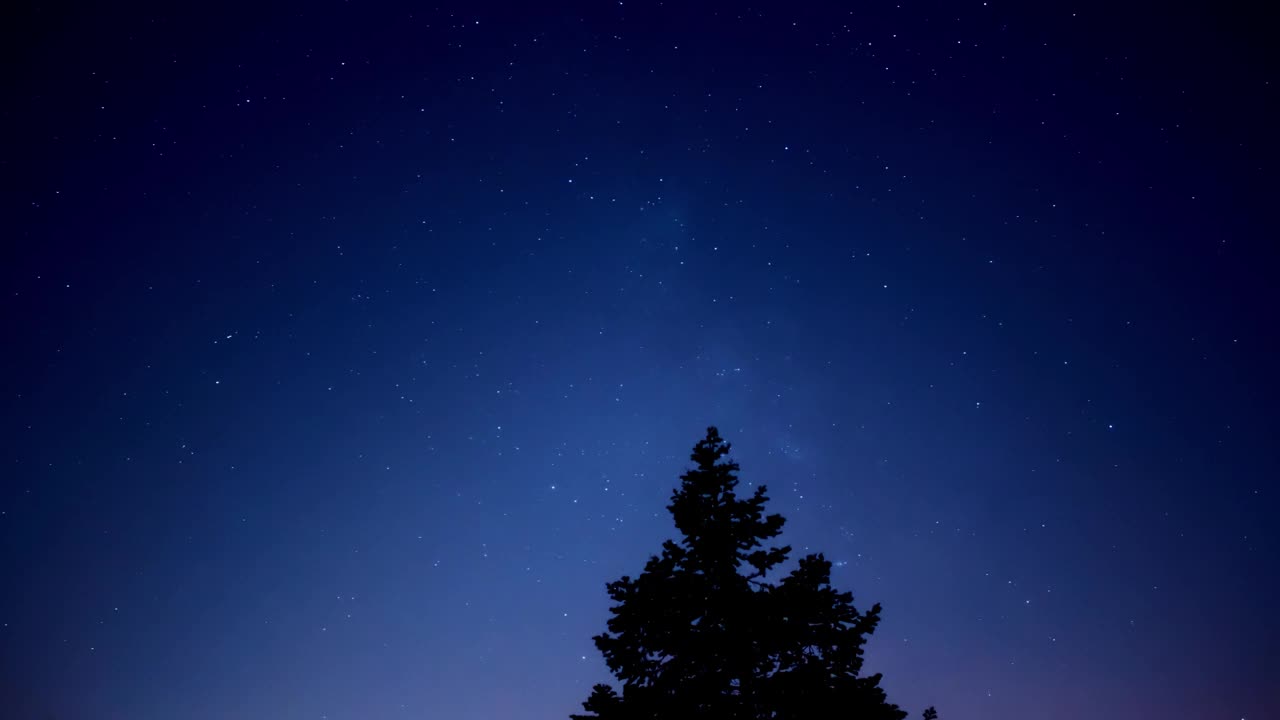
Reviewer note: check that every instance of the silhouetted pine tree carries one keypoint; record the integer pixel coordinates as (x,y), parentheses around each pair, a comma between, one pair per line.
(701,633)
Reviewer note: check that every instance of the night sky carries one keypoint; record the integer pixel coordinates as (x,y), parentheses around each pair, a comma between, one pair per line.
(349,351)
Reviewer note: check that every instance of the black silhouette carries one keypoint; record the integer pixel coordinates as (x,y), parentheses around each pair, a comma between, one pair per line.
(701,633)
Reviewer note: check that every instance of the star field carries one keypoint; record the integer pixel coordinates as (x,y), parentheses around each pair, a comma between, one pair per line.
(351,350)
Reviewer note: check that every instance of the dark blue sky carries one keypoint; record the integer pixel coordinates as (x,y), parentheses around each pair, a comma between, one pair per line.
(350,351)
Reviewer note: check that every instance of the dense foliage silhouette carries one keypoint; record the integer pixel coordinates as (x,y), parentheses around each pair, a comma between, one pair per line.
(703,633)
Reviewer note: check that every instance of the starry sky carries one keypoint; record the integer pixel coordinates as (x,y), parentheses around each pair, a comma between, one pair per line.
(349,350)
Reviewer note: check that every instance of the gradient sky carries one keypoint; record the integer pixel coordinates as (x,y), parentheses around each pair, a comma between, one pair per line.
(349,351)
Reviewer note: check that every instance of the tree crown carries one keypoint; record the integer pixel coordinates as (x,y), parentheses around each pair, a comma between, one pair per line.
(702,633)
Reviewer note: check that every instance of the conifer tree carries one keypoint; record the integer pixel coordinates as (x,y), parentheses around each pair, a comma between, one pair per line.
(704,631)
